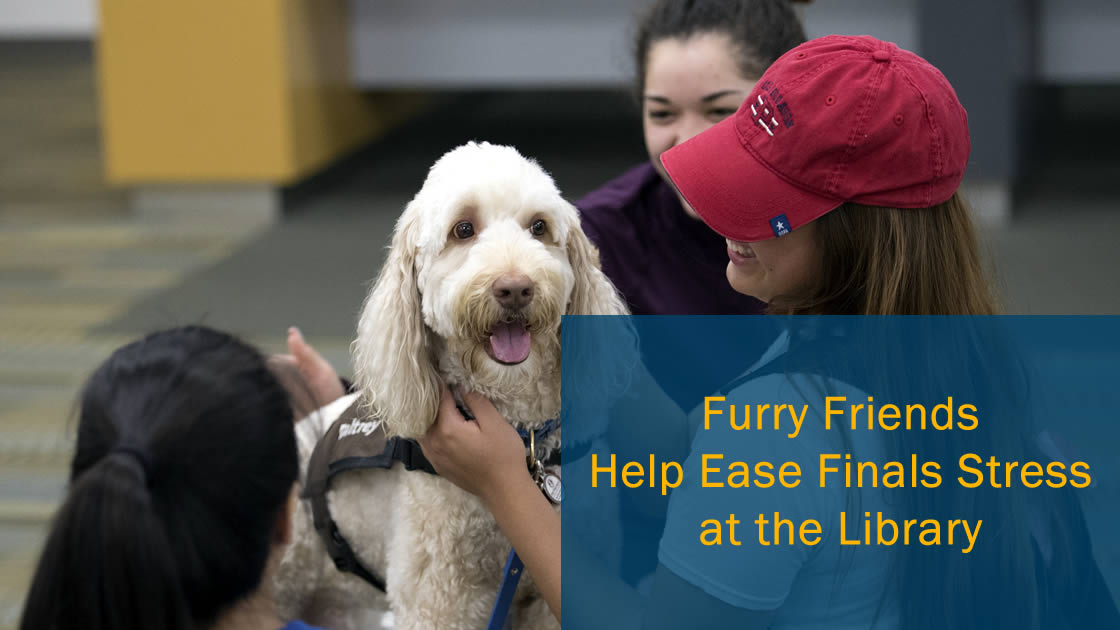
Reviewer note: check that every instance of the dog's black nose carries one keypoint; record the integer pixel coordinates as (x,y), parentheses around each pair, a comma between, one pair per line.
(513,290)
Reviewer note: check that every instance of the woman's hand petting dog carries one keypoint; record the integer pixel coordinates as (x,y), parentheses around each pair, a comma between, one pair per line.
(319,375)
(487,458)
(483,456)
(310,380)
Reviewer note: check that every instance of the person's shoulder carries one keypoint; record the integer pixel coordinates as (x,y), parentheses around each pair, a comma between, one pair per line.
(802,393)
(607,213)
(795,386)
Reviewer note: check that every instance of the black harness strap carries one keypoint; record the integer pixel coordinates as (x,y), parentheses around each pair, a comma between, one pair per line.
(353,444)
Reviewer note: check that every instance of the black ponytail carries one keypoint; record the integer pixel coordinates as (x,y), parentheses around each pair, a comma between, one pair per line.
(185,458)
(107,563)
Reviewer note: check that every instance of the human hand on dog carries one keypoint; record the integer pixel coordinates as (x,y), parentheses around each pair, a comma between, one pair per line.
(487,458)
(484,457)
(319,375)
(317,383)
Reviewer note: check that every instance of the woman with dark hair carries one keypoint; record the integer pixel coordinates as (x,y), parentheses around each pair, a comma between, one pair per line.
(180,492)
(695,62)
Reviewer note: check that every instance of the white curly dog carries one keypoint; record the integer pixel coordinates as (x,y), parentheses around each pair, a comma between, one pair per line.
(484,262)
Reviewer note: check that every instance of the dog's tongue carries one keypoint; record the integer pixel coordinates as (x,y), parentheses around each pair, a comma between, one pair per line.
(510,342)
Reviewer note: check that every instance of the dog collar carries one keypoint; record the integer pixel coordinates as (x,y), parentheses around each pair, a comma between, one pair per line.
(541,432)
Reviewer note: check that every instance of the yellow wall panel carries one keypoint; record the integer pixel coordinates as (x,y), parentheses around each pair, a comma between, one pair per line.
(326,114)
(197,91)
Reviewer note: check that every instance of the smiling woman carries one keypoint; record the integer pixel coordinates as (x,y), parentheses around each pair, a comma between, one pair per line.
(771,269)
(695,62)
(690,85)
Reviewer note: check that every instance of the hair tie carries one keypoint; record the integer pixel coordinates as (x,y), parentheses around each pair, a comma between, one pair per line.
(139,456)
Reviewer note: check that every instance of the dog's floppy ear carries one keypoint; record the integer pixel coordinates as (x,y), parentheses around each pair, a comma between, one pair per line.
(393,362)
(593,293)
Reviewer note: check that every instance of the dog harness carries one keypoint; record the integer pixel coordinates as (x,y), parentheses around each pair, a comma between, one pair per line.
(352,443)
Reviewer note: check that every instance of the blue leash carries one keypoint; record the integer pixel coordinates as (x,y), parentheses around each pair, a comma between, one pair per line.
(499,615)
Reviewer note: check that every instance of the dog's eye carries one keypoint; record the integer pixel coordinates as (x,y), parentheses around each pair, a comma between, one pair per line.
(463,230)
(538,227)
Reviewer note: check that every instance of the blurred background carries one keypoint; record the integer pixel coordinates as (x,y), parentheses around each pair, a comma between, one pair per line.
(241,164)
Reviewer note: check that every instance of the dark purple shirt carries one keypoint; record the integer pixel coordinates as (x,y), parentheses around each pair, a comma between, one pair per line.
(667,263)
(662,260)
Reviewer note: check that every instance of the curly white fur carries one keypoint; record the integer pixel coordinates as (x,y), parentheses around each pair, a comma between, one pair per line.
(431,305)
(426,321)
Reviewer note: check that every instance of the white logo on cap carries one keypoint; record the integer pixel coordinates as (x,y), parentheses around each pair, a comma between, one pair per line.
(761,118)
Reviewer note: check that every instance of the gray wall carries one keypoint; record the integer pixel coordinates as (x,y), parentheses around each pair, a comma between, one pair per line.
(542,43)
(37,19)
(491,43)
(583,43)
(891,20)
(1079,41)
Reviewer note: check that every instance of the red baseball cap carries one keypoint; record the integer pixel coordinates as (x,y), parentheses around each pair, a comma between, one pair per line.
(836,119)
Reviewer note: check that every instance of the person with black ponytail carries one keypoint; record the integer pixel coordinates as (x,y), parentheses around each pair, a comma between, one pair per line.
(180,492)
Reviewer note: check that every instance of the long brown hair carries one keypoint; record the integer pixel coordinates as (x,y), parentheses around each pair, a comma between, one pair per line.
(895,261)
(927,261)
